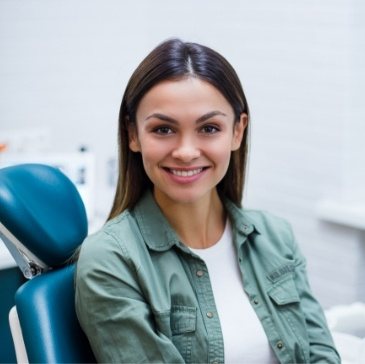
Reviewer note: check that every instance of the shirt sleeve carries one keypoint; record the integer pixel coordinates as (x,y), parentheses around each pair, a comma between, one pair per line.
(322,349)
(112,310)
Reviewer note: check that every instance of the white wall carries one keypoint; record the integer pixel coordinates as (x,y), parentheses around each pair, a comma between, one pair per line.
(64,65)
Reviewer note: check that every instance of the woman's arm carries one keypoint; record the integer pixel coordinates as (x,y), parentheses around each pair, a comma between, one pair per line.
(112,310)
(322,349)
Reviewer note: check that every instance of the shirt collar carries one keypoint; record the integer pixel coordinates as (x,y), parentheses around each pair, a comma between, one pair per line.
(156,230)
(239,218)
(160,236)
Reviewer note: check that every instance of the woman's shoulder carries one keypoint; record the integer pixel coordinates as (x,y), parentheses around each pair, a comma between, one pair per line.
(271,235)
(112,239)
(259,220)
(270,228)
(273,231)
(265,220)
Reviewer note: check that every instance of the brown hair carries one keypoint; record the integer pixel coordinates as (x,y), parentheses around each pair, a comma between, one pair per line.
(171,60)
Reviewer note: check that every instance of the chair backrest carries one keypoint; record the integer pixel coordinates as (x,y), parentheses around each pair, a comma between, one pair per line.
(42,222)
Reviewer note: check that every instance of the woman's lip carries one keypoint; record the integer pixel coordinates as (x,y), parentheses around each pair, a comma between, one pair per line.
(185,169)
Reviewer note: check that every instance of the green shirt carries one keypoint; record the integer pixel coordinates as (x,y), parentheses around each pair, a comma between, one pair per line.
(144,297)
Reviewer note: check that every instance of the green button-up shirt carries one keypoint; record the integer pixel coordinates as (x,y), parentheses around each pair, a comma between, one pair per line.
(144,297)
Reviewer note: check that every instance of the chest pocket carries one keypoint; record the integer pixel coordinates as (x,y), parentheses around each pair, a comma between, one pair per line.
(183,326)
(284,292)
(179,324)
(289,318)
(182,319)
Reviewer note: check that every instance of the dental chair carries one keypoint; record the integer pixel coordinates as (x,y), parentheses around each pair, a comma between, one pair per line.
(42,222)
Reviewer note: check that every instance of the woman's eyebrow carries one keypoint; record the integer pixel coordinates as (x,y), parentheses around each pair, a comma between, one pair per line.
(201,119)
(161,117)
(210,115)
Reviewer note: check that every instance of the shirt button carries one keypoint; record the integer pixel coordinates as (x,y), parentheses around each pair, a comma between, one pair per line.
(256,301)
(199,273)
(279,345)
(210,314)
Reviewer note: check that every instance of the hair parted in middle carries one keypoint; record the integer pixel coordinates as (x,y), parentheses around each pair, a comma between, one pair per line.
(175,60)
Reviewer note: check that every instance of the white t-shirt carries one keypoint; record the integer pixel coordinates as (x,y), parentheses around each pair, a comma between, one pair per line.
(244,338)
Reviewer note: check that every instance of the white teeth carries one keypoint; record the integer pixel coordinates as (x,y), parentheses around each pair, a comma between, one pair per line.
(189,173)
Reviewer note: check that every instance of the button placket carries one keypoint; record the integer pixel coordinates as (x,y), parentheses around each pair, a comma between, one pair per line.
(204,292)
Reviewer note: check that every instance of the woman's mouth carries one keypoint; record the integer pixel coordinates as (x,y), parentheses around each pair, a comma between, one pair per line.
(184,172)
(185,175)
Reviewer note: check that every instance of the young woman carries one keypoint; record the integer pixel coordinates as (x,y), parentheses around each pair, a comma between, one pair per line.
(181,273)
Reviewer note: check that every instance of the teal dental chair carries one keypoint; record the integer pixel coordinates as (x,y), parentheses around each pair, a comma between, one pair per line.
(42,222)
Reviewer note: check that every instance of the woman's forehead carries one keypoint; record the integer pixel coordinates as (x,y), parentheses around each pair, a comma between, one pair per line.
(183,95)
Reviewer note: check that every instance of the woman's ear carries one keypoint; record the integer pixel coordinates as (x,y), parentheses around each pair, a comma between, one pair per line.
(239,130)
(134,145)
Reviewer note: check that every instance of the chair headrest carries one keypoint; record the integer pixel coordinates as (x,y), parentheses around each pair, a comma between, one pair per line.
(42,208)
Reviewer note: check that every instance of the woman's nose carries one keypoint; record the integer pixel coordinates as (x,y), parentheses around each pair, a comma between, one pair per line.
(186,150)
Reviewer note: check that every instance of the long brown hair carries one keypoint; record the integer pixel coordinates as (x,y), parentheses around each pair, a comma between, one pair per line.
(171,60)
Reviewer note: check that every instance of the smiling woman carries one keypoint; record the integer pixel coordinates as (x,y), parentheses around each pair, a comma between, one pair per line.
(181,273)
(185,131)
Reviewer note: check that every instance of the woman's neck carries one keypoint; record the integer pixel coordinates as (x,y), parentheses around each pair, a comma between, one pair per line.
(199,224)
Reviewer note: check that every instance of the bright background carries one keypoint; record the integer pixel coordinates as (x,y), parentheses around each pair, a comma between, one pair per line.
(64,66)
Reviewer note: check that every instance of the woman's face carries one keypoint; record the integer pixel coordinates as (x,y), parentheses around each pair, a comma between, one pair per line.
(185,134)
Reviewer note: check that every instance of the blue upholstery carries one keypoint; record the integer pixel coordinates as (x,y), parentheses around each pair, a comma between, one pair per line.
(46,312)
(42,208)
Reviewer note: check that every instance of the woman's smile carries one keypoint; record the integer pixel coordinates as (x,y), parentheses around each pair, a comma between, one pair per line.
(184,172)
(185,175)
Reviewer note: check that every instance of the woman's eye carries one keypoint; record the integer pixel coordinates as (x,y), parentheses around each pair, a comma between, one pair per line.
(163,130)
(209,129)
